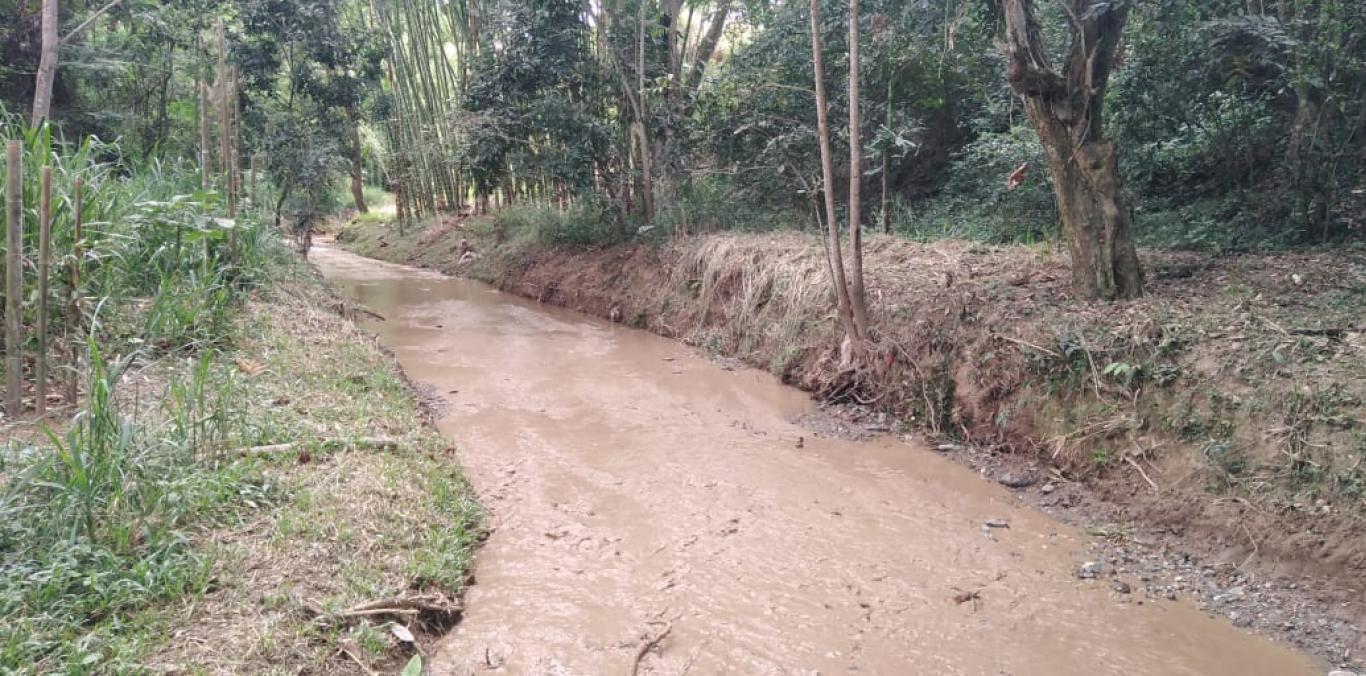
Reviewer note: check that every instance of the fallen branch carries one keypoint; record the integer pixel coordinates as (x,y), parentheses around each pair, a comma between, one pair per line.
(351,312)
(648,645)
(1330,332)
(1142,473)
(406,607)
(377,443)
(1030,345)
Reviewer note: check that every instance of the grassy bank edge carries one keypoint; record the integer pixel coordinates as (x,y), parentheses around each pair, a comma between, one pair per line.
(359,526)
(271,548)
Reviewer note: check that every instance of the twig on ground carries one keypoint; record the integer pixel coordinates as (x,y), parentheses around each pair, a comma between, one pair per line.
(649,644)
(345,649)
(377,443)
(1255,549)
(407,607)
(1142,473)
(1032,346)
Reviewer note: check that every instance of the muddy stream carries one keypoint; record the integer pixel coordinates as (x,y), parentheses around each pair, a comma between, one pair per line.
(637,489)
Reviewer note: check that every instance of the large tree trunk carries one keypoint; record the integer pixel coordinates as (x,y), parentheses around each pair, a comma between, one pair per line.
(1067,113)
(1096,218)
(47,65)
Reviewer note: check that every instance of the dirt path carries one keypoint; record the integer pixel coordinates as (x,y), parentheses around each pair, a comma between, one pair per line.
(638,490)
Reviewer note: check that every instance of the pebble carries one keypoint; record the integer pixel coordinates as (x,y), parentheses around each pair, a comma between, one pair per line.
(1017,480)
(1089,570)
(1047,488)
(996,523)
(1341,672)
(1239,620)
(1121,586)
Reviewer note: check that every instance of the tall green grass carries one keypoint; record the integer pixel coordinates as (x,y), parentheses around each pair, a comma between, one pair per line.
(95,519)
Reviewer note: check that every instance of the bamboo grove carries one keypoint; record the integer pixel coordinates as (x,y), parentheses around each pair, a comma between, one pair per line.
(548,102)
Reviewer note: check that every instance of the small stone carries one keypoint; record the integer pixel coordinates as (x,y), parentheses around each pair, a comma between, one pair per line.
(1089,570)
(1048,488)
(996,523)
(1017,481)
(1171,594)
(1121,586)
(1239,620)
(1341,672)
(945,448)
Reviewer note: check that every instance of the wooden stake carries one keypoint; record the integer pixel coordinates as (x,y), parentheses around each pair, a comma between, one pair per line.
(73,318)
(14,277)
(44,264)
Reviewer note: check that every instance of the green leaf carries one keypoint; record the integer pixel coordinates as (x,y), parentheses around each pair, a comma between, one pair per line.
(413,667)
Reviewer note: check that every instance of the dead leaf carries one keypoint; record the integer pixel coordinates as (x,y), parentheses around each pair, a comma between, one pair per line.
(250,367)
(402,634)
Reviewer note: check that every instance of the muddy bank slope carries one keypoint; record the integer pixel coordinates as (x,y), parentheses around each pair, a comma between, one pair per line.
(1225,408)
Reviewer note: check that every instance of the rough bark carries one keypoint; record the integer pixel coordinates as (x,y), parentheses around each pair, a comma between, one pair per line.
(47,64)
(1067,113)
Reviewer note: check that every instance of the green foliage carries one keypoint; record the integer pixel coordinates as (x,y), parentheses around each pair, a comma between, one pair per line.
(582,226)
(94,527)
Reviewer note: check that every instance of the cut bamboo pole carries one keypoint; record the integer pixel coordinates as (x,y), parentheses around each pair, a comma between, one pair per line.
(44,265)
(73,317)
(14,277)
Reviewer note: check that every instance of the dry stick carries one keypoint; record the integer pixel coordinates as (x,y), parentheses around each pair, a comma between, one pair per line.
(1142,473)
(14,277)
(649,643)
(381,443)
(73,319)
(44,263)
(1029,345)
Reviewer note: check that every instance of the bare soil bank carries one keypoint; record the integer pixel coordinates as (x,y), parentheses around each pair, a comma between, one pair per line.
(1221,418)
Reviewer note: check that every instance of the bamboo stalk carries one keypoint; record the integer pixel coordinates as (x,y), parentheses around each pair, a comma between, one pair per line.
(14,276)
(44,266)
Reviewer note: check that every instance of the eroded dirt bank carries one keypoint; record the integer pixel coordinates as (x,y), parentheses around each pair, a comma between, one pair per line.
(1210,435)
(651,507)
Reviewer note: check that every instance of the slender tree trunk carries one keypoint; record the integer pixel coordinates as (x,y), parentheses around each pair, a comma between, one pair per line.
(857,300)
(47,64)
(885,212)
(357,169)
(14,278)
(834,258)
(205,150)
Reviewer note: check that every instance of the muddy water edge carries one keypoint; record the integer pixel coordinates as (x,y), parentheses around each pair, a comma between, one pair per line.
(654,511)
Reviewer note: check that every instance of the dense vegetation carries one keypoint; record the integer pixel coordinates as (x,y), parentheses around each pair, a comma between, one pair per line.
(199,125)
(124,460)
(1238,124)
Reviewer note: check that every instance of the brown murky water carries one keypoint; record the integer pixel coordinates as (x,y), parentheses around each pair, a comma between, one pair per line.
(636,486)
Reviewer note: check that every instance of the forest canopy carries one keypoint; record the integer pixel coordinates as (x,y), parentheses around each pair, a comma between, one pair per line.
(1238,123)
